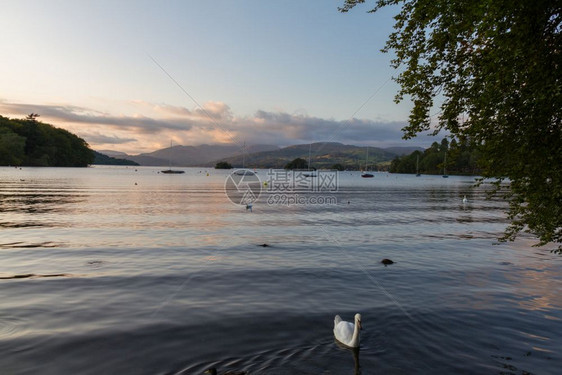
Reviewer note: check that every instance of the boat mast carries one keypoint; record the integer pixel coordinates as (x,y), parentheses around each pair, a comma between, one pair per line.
(244,155)
(309,153)
(170,157)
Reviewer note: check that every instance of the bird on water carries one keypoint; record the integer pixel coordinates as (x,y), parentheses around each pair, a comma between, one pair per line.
(348,333)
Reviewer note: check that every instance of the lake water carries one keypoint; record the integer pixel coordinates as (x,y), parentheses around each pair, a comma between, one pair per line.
(117,270)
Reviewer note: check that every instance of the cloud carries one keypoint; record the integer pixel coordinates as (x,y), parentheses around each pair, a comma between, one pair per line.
(306,129)
(216,110)
(210,111)
(97,138)
(80,115)
(214,123)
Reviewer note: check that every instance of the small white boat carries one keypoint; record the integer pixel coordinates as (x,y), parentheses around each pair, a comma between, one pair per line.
(170,170)
(309,172)
(366,173)
(243,172)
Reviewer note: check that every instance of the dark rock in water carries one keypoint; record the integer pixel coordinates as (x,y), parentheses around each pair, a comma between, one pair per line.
(264,245)
(24,276)
(386,262)
(32,276)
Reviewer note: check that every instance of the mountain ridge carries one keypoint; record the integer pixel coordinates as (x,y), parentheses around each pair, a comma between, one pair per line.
(322,155)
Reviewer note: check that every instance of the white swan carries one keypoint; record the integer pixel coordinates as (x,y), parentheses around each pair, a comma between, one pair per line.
(464,200)
(346,332)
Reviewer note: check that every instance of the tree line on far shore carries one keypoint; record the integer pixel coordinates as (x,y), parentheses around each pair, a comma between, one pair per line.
(29,142)
(455,157)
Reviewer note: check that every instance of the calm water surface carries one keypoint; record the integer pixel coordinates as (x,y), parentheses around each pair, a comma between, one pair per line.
(116,270)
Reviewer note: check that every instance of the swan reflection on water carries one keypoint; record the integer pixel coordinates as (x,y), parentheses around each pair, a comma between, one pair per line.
(355,353)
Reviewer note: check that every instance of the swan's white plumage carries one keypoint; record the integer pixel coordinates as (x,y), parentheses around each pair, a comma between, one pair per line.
(347,333)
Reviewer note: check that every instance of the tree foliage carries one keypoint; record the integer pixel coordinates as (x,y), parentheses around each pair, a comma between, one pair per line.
(102,159)
(462,159)
(338,167)
(33,143)
(223,165)
(494,69)
(297,163)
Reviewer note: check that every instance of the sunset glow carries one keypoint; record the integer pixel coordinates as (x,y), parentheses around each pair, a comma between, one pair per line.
(133,76)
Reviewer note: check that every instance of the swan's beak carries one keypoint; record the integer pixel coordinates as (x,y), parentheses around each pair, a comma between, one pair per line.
(360,326)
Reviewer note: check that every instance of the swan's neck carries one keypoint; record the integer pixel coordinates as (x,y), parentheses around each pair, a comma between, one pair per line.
(355,337)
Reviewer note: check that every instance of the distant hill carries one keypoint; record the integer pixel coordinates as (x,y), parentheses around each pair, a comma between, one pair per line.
(144,159)
(102,159)
(323,156)
(113,154)
(192,156)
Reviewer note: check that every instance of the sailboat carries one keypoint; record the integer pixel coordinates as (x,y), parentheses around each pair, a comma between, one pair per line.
(418,166)
(244,171)
(365,173)
(170,170)
(309,173)
(445,175)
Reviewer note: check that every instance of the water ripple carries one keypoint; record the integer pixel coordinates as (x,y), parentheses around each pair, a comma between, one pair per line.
(23,245)
(12,326)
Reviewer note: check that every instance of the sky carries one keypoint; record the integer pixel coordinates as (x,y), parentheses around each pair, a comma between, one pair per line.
(132,76)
